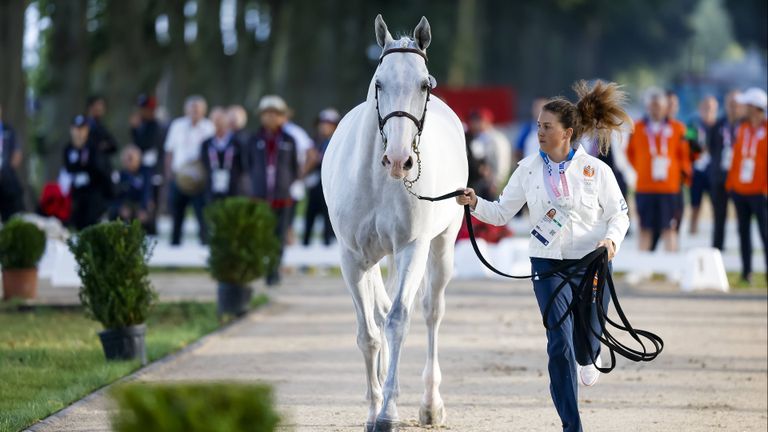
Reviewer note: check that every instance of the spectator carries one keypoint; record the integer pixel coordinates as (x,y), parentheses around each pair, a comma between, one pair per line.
(183,167)
(748,176)
(221,156)
(10,160)
(491,143)
(148,135)
(134,190)
(96,108)
(720,144)
(274,166)
(659,154)
(238,119)
(698,131)
(89,171)
(327,121)
(528,139)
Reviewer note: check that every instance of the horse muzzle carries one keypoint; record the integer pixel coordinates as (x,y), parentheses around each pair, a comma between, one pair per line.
(398,168)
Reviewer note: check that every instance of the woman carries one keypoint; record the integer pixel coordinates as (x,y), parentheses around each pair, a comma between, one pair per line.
(575,206)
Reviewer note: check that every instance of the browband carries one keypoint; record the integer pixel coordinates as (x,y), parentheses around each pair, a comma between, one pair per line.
(403,50)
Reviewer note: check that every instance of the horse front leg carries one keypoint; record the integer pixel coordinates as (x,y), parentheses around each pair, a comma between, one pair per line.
(440,270)
(358,282)
(411,264)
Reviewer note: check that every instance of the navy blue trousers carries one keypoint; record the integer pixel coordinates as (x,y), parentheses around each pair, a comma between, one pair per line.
(569,344)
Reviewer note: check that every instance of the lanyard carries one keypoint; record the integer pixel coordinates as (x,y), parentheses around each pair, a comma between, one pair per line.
(561,170)
(664,145)
(749,147)
(213,155)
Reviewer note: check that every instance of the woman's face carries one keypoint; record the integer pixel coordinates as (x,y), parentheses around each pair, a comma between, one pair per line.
(552,135)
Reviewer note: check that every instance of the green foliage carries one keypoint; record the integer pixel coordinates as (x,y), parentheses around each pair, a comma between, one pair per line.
(215,407)
(21,244)
(112,265)
(243,244)
(51,357)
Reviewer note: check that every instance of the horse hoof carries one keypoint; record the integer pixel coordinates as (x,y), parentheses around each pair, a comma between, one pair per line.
(432,417)
(369,427)
(386,426)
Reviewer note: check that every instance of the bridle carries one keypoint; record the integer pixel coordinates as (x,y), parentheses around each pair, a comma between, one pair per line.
(419,122)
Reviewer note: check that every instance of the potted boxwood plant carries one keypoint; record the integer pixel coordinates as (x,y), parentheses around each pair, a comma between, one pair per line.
(115,288)
(22,245)
(243,248)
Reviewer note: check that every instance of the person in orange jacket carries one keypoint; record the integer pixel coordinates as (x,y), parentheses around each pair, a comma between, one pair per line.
(659,154)
(748,177)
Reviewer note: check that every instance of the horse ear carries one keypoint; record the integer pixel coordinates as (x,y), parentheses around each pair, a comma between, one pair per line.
(423,34)
(383,37)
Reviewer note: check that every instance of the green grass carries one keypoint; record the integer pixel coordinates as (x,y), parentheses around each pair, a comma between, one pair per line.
(50,358)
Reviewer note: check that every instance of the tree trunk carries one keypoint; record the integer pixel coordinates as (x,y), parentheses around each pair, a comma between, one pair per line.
(12,82)
(465,63)
(64,95)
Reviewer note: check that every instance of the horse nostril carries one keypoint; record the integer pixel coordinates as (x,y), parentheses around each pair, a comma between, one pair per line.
(409,163)
(385,161)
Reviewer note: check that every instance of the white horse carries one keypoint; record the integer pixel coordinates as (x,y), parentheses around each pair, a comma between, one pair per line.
(399,134)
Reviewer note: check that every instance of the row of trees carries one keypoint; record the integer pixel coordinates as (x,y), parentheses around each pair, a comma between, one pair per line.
(318,52)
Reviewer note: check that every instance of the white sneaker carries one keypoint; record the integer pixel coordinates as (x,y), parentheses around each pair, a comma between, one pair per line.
(589,374)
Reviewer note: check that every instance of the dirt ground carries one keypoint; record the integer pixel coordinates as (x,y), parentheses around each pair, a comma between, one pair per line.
(712,375)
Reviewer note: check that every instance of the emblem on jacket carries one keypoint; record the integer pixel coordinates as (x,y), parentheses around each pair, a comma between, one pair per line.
(589,171)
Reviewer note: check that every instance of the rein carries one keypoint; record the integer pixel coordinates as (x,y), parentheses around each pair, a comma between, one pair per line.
(590,289)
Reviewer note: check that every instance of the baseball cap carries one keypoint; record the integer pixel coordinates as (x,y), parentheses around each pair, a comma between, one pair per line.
(273,102)
(329,115)
(146,101)
(753,96)
(79,121)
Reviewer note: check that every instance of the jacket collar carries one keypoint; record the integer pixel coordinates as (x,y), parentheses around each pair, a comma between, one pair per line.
(535,160)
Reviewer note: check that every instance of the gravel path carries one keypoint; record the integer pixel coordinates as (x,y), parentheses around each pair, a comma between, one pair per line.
(713,375)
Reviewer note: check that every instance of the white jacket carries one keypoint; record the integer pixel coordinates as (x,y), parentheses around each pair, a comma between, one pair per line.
(599,211)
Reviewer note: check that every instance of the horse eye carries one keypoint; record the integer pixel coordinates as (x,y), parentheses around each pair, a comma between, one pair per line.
(425,86)
(378,85)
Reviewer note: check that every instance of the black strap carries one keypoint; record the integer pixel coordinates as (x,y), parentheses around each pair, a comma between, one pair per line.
(590,288)
(403,50)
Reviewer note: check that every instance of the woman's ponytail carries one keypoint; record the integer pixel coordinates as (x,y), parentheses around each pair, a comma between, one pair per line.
(601,112)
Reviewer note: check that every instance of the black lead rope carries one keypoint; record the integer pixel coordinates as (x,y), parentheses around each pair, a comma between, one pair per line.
(590,288)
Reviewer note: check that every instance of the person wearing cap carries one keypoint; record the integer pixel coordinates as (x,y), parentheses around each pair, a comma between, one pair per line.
(720,145)
(490,144)
(10,160)
(148,135)
(659,155)
(221,155)
(274,167)
(748,177)
(327,121)
(89,170)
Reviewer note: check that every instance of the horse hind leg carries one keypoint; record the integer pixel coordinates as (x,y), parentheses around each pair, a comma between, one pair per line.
(439,271)
(368,334)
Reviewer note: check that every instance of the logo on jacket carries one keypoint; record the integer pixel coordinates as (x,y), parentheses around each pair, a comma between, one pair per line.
(589,171)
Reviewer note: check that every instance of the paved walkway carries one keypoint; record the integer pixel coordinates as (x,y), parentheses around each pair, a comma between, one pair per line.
(712,376)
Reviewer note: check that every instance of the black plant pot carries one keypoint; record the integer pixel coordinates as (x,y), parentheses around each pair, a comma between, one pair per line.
(233,299)
(125,343)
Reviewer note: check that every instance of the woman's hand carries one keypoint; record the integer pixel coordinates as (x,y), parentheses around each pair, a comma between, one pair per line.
(608,243)
(469,198)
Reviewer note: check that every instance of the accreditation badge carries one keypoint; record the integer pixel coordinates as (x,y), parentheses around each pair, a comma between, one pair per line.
(747,170)
(660,168)
(550,226)
(220,181)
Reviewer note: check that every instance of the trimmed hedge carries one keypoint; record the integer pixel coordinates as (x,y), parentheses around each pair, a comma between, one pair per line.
(22,244)
(243,244)
(194,407)
(112,264)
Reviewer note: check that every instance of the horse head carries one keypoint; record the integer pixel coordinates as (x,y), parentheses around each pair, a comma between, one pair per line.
(402,87)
